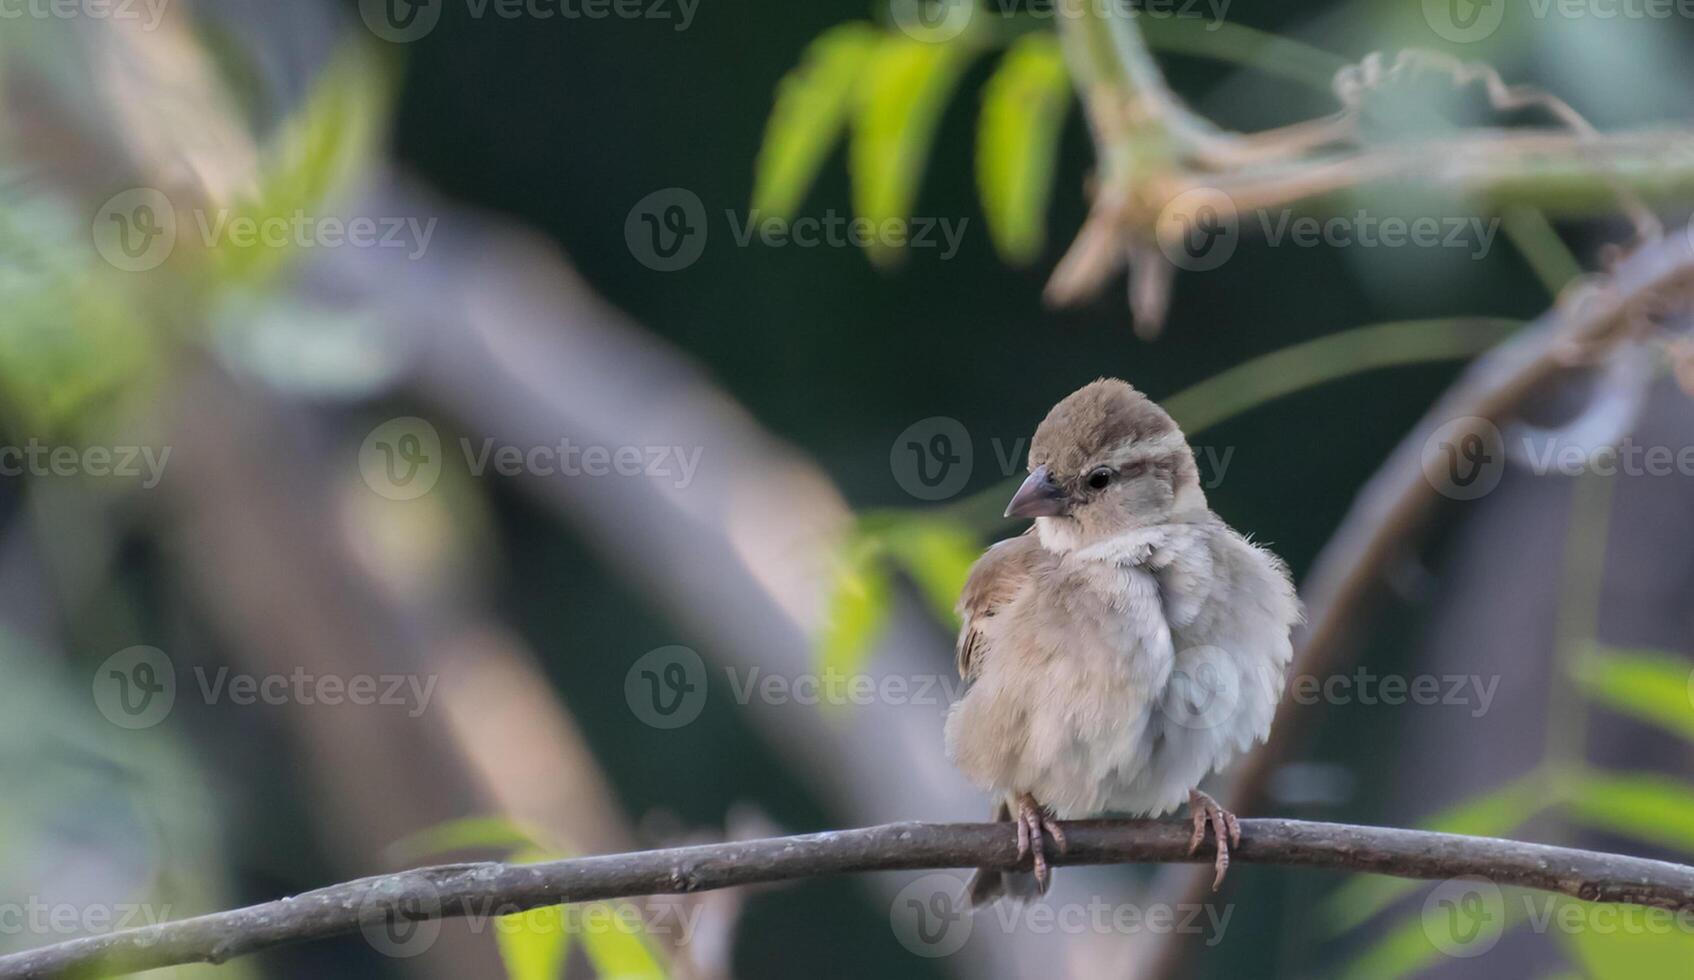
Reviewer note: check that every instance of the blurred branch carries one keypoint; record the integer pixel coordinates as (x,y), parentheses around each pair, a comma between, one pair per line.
(1563,173)
(479,890)
(1527,228)
(1395,504)
(1153,149)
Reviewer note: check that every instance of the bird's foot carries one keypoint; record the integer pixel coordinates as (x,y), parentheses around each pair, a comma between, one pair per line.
(1227,829)
(1035,824)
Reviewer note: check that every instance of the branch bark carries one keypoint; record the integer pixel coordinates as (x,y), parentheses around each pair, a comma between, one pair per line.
(486,889)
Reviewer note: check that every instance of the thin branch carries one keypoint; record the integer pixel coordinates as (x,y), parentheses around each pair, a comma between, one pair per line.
(486,889)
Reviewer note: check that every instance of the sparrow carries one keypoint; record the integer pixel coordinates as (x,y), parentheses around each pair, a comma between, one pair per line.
(1120,650)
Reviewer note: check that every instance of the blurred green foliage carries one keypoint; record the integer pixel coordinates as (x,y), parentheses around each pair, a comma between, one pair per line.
(535,944)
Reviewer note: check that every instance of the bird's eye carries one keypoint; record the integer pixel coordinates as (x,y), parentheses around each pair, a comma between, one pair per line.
(1099,478)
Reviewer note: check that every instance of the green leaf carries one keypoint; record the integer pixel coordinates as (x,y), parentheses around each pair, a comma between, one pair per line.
(1651,685)
(313,154)
(1492,814)
(1615,947)
(77,334)
(618,954)
(1656,809)
(466,834)
(901,97)
(534,944)
(938,556)
(1017,141)
(808,116)
(1410,947)
(857,609)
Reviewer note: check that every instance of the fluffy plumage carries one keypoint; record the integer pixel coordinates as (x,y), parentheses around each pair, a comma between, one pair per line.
(1130,645)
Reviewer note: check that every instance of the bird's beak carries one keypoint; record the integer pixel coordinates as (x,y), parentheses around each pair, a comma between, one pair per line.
(1039,497)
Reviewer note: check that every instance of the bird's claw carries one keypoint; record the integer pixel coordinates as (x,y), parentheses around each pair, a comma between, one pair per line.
(1227,829)
(1035,824)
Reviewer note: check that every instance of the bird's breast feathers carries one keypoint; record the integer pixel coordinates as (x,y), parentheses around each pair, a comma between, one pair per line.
(1115,677)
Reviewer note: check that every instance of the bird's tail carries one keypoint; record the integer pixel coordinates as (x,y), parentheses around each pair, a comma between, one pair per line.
(989,885)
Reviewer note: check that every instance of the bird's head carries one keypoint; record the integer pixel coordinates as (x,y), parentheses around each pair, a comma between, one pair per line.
(1106,460)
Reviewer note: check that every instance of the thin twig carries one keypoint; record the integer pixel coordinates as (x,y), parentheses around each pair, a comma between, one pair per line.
(487,889)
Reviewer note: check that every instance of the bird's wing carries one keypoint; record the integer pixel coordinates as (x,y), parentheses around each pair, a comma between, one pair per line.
(1003,571)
